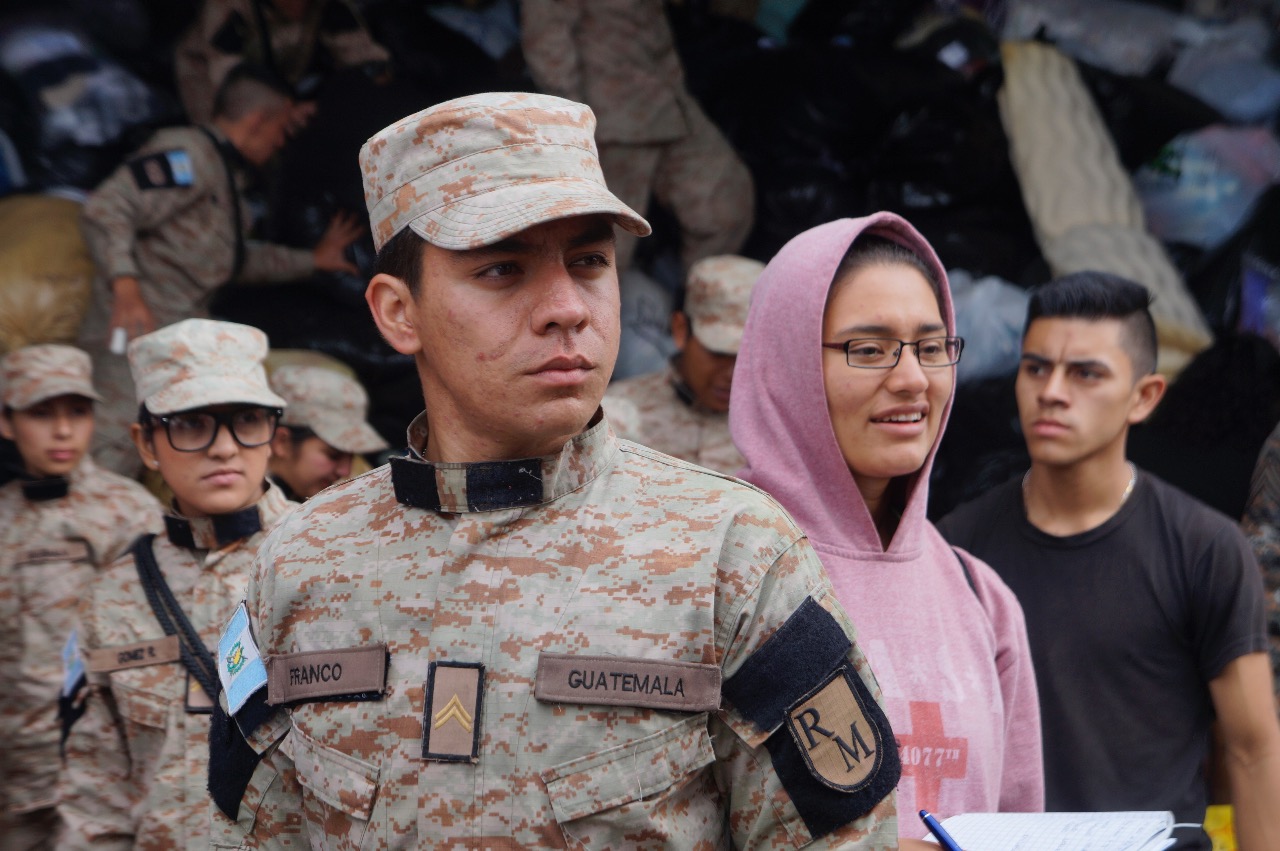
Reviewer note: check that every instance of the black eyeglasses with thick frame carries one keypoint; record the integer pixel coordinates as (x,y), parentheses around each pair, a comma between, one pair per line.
(251,426)
(885,352)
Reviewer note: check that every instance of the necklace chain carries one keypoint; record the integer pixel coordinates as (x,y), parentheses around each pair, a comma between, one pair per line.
(1124,497)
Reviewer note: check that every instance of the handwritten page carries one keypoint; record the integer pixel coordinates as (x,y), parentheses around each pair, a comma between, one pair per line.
(1126,831)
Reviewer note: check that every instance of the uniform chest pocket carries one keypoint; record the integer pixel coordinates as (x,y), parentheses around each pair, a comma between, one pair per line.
(53,576)
(648,793)
(141,707)
(338,792)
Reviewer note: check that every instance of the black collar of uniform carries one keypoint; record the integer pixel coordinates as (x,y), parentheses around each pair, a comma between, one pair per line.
(45,489)
(213,533)
(454,488)
(230,153)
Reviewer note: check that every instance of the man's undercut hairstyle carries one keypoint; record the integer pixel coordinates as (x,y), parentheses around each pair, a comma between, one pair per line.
(248,88)
(401,258)
(870,249)
(1098,296)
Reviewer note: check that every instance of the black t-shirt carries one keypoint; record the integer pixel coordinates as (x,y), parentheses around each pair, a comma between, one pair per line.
(1128,623)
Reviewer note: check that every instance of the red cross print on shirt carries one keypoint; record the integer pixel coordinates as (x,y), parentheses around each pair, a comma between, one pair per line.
(929,756)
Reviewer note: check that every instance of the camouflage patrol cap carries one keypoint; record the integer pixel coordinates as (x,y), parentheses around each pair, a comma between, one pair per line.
(475,170)
(33,374)
(330,404)
(196,363)
(717,296)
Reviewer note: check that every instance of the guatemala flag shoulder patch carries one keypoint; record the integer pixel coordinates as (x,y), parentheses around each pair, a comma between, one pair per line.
(240,666)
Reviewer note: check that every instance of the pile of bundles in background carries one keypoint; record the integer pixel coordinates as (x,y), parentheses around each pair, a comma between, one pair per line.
(1025,139)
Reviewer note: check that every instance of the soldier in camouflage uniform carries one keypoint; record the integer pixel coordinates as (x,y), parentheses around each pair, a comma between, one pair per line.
(528,634)
(684,410)
(1261,526)
(63,519)
(170,226)
(322,429)
(619,57)
(302,36)
(135,759)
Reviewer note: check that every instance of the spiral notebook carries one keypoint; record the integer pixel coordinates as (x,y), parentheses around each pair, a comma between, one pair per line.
(1125,831)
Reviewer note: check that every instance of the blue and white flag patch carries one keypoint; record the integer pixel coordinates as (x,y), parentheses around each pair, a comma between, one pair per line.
(240,666)
(72,664)
(180,164)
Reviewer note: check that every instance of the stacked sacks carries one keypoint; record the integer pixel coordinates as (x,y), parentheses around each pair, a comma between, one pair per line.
(1081,200)
(45,271)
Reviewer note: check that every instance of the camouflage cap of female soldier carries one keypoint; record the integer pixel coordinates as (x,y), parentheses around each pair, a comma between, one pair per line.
(34,374)
(475,170)
(196,363)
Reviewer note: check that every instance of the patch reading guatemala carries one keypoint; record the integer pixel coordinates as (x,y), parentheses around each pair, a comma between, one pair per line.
(350,673)
(451,724)
(72,664)
(141,654)
(240,667)
(616,681)
(829,725)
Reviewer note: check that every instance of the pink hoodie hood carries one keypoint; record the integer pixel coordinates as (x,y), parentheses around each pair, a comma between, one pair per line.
(781,425)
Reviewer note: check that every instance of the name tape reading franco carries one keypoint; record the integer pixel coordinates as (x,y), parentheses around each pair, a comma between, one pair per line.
(829,725)
(326,673)
(139,655)
(617,681)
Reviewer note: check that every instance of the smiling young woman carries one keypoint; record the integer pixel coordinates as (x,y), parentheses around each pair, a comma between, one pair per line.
(841,394)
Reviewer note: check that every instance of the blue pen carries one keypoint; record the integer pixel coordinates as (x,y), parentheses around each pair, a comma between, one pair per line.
(944,838)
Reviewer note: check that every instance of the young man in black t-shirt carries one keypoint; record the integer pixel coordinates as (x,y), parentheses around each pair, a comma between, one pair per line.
(1143,606)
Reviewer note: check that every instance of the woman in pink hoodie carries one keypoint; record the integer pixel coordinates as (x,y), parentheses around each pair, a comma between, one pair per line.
(840,394)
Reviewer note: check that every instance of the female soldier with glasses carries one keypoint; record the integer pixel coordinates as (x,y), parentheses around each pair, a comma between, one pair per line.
(138,746)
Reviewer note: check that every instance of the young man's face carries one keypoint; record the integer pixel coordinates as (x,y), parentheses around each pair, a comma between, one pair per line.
(307,466)
(516,341)
(52,436)
(1077,391)
(219,479)
(707,374)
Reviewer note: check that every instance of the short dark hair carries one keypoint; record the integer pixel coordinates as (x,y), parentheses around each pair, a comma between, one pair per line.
(870,249)
(401,257)
(1098,296)
(299,434)
(248,87)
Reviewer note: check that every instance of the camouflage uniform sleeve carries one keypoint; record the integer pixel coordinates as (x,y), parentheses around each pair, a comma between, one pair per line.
(118,210)
(95,797)
(344,34)
(276,822)
(266,262)
(1261,525)
(550,48)
(790,651)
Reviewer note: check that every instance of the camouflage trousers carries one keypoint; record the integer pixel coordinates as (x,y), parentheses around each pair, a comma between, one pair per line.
(698,177)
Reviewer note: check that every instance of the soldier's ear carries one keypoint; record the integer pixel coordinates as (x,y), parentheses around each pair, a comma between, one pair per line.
(395,312)
(142,439)
(680,330)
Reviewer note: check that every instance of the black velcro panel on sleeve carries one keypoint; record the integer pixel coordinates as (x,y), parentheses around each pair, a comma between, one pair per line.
(804,650)
(231,760)
(823,808)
